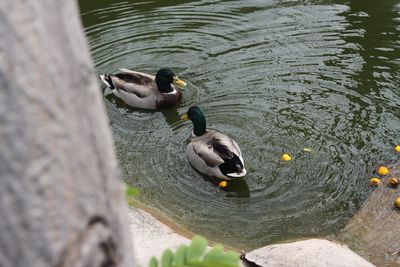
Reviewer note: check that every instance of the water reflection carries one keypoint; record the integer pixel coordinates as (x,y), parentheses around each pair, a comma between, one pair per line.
(171,115)
(374,29)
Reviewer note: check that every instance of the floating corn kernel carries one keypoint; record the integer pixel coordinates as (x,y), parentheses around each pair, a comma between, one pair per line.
(375,181)
(286,157)
(223,184)
(383,171)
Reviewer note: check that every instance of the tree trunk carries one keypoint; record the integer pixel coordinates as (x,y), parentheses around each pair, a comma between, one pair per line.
(61,200)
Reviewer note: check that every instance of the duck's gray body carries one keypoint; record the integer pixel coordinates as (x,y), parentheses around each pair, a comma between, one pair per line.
(216,155)
(140,90)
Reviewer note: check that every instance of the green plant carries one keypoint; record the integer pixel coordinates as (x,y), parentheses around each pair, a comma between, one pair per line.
(131,191)
(196,255)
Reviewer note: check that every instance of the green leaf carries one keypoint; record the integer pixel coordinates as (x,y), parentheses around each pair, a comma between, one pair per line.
(131,191)
(153,262)
(231,259)
(196,256)
(196,249)
(180,256)
(217,257)
(213,256)
(167,258)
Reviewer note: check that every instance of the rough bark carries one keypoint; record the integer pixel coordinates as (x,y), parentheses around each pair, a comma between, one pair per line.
(61,201)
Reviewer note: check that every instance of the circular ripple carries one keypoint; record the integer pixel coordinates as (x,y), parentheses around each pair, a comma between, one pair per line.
(275,77)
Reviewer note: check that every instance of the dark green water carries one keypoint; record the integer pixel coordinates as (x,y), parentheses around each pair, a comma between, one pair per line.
(278,76)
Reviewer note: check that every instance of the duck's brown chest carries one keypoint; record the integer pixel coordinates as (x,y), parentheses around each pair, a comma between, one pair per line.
(169,100)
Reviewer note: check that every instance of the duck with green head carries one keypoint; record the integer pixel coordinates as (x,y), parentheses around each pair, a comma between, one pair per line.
(210,151)
(141,90)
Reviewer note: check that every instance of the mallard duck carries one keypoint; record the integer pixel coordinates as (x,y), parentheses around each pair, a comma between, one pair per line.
(210,151)
(141,90)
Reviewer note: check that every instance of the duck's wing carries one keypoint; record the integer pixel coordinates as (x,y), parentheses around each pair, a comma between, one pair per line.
(226,148)
(206,152)
(140,84)
(137,73)
(215,148)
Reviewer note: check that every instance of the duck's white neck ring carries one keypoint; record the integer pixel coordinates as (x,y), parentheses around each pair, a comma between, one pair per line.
(193,135)
(172,92)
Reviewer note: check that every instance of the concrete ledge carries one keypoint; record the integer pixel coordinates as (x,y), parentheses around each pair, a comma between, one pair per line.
(150,237)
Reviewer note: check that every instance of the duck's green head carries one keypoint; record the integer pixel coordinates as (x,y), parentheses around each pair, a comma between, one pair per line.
(197,117)
(164,78)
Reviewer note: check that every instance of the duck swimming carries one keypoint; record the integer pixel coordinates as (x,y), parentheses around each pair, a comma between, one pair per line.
(141,90)
(210,151)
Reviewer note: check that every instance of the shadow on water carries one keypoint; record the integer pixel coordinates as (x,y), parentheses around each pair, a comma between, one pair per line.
(373,29)
(171,115)
(142,6)
(237,188)
(376,21)
(115,100)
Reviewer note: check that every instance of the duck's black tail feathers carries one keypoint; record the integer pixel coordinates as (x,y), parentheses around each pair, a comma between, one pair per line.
(231,166)
(107,80)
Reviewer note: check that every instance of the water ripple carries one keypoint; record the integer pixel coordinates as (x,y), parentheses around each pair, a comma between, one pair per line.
(277,76)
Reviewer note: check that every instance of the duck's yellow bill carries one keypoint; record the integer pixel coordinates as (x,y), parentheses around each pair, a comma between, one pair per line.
(179,82)
(184,117)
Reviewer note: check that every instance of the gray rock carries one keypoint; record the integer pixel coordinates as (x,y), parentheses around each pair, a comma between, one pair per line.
(307,253)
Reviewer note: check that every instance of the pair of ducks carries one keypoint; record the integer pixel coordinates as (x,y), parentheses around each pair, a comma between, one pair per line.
(209,151)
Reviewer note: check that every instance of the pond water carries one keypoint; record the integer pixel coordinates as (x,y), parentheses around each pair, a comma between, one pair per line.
(277,76)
